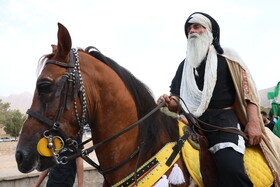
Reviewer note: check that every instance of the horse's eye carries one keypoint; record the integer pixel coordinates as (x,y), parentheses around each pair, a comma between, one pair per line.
(44,87)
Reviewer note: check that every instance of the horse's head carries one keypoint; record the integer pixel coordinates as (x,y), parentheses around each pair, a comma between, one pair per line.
(54,111)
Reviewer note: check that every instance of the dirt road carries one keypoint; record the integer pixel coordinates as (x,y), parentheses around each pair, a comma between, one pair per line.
(8,165)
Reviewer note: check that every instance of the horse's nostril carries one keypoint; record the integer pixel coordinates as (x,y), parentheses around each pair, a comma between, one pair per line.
(19,157)
(26,160)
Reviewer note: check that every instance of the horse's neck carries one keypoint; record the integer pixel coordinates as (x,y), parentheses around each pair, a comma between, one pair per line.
(112,110)
(112,104)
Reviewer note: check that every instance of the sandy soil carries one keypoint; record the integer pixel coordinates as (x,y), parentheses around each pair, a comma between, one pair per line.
(7,148)
(8,165)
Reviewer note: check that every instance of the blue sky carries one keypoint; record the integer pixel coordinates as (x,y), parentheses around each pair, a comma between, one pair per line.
(146,37)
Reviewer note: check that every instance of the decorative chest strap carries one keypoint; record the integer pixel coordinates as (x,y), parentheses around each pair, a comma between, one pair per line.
(152,170)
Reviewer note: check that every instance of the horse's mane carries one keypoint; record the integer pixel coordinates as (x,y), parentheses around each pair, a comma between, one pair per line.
(152,127)
(42,62)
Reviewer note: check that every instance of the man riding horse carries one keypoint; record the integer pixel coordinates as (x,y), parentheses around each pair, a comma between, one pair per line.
(218,89)
(78,87)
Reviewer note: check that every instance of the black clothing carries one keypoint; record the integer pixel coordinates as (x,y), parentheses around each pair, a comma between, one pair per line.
(229,162)
(176,82)
(270,125)
(230,169)
(63,175)
(223,96)
(224,91)
(221,118)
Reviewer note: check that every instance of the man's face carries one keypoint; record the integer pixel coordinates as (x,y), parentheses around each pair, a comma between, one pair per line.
(199,41)
(264,118)
(195,28)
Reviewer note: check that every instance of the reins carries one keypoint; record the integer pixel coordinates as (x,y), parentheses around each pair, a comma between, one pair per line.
(196,122)
(84,153)
(130,127)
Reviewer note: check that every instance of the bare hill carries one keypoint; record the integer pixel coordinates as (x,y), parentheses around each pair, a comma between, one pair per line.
(23,101)
(263,97)
(19,101)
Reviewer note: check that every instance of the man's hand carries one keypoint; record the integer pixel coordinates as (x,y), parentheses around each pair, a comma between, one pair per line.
(253,128)
(170,103)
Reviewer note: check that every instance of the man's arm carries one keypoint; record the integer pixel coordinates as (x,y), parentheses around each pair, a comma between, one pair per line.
(80,171)
(253,128)
(41,177)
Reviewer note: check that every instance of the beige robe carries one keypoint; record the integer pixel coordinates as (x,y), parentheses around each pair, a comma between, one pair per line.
(246,91)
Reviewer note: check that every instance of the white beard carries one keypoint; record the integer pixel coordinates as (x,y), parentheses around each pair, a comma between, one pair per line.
(197,100)
(197,47)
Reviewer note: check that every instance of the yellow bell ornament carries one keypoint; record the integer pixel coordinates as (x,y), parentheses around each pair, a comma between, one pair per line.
(43,148)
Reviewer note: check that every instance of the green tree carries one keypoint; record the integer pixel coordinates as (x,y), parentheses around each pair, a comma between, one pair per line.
(4,109)
(13,122)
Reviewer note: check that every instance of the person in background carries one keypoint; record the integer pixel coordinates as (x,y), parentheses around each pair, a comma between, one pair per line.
(274,113)
(268,123)
(218,89)
(63,175)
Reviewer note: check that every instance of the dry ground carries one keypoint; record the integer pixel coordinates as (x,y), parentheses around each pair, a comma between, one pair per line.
(8,166)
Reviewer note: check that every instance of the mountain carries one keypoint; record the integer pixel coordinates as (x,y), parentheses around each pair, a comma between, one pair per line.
(23,101)
(19,101)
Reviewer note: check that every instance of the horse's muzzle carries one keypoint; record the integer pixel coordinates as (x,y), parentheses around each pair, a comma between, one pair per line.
(26,162)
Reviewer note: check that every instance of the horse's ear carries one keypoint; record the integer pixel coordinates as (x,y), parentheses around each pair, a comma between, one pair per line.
(54,48)
(64,43)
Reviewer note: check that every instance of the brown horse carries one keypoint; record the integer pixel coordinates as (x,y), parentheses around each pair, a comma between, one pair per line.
(93,89)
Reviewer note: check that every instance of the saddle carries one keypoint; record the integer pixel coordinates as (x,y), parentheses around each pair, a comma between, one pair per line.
(200,164)
(207,166)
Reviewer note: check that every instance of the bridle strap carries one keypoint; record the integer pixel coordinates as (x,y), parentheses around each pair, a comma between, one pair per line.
(41,118)
(61,64)
(54,126)
(65,86)
(65,92)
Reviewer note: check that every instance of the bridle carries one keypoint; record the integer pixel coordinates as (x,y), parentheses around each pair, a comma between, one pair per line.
(70,85)
(72,80)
